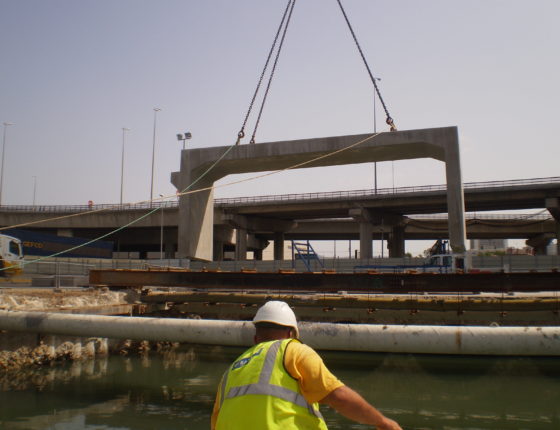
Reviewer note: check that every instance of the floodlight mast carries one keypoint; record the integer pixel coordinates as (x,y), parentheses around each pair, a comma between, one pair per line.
(184,137)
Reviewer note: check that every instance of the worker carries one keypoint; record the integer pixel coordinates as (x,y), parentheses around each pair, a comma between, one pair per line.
(279,382)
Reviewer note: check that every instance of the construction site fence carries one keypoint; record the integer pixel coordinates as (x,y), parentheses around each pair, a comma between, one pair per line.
(82,266)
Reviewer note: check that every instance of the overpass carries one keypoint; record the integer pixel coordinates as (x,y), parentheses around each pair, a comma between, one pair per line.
(407,213)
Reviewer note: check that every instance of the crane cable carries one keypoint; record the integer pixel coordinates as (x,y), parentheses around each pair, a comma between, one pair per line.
(283,28)
(283,25)
(272,72)
(389,120)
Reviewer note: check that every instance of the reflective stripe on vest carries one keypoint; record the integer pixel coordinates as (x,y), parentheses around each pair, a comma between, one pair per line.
(264,387)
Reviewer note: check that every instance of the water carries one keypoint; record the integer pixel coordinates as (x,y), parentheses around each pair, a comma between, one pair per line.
(176,391)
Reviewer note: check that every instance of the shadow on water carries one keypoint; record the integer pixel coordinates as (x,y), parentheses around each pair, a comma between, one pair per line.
(175,390)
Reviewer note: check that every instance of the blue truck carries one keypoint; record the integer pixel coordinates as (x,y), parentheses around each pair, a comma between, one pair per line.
(44,244)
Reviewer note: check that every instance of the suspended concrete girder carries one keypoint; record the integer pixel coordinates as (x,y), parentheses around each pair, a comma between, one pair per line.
(196,209)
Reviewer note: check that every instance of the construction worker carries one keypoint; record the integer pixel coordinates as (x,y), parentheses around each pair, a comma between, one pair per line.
(279,382)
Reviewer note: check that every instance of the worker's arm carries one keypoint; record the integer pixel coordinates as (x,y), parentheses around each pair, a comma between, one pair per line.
(353,406)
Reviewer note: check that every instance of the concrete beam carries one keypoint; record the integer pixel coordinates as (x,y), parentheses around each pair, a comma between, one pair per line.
(195,210)
(257,224)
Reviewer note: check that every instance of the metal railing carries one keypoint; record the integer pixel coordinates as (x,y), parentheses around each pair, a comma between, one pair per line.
(370,193)
(474,216)
(65,267)
(271,199)
(146,206)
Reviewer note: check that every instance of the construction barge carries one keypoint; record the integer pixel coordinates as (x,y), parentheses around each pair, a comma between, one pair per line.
(513,299)
(331,282)
(514,314)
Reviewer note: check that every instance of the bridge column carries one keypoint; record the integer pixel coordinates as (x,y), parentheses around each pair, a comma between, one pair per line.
(196,210)
(240,244)
(169,244)
(396,242)
(539,243)
(455,196)
(364,218)
(368,219)
(279,237)
(218,252)
(257,224)
(366,247)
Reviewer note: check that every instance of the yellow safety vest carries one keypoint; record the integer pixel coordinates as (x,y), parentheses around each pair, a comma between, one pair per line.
(257,392)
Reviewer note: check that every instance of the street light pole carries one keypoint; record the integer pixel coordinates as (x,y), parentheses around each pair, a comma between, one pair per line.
(124,130)
(34,188)
(6,124)
(161,231)
(156,110)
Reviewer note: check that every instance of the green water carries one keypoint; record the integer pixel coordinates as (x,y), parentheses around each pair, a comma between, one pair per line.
(176,391)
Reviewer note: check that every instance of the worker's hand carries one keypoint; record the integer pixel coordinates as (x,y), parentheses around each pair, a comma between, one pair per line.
(389,424)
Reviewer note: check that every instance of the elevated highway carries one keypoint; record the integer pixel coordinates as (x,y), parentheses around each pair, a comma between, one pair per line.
(396,215)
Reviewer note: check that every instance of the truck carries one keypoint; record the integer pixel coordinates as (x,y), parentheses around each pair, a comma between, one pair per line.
(440,260)
(43,244)
(11,256)
(447,263)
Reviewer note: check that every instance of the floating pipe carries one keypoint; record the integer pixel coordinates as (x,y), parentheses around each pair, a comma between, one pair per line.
(419,339)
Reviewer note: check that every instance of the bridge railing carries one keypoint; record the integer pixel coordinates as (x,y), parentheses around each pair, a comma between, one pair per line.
(481,216)
(370,193)
(271,199)
(146,206)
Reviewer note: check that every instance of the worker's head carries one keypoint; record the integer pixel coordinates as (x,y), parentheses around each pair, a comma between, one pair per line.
(275,320)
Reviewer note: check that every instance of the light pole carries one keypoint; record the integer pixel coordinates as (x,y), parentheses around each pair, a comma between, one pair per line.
(124,130)
(161,231)
(6,124)
(156,110)
(34,188)
(184,137)
(375,131)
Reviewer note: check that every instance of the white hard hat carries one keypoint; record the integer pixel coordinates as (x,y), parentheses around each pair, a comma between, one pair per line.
(277,312)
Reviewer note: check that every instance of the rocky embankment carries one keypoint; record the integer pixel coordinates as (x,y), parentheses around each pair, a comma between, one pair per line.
(19,350)
(60,300)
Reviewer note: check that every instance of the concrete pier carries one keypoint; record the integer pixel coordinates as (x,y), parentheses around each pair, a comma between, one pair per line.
(195,236)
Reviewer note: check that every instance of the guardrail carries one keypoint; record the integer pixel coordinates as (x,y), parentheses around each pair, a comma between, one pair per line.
(329,195)
(474,216)
(146,206)
(69,266)
(370,193)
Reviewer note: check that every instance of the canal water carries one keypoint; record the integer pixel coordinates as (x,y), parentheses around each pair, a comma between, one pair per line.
(176,390)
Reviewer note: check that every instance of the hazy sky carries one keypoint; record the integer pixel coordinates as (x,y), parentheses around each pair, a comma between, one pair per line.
(73,73)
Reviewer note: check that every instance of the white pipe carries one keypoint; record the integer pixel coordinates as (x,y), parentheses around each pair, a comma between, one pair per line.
(211,332)
(462,340)
(420,339)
